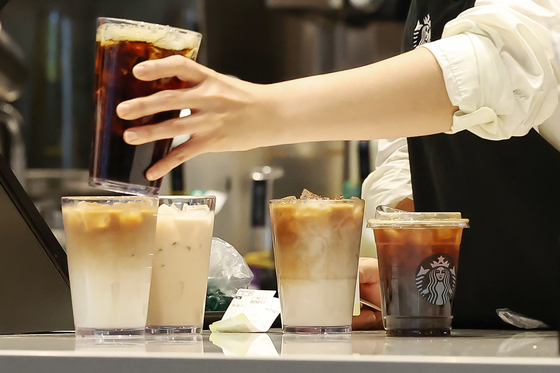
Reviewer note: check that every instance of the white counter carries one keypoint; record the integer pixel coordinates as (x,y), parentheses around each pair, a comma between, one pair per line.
(464,351)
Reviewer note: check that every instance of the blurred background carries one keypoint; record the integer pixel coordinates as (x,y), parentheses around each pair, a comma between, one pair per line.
(46,115)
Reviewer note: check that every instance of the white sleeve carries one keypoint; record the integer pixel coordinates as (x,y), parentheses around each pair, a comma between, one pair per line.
(388,184)
(500,62)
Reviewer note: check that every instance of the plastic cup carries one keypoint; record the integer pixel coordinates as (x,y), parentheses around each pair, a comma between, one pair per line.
(180,270)
(418,257)
(109,241)
(122,44)
(316,251)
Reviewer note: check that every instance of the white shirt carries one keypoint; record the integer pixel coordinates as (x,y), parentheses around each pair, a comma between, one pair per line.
(501,66)
(388,184)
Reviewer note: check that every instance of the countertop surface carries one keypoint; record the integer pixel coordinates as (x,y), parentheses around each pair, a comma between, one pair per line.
(464,350)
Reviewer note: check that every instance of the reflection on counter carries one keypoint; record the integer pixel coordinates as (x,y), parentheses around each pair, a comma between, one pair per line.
(461,343)
(532,343)
(111,345)
(191,344)
(244,344)
(362,345)
(317,344)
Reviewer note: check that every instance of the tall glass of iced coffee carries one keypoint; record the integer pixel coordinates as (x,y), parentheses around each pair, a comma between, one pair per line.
(109,242)
(180,270)
(316,250)
(418,257)
(122,44)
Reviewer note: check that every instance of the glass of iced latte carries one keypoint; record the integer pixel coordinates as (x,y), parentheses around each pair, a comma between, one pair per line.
(418,255)
(122,44)
(316,250)
(109,241)
(180,270)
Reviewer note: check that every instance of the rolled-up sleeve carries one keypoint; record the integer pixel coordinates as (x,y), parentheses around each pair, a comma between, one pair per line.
(500,65)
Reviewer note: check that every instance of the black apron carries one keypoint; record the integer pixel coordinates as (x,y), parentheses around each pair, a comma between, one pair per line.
(510,191)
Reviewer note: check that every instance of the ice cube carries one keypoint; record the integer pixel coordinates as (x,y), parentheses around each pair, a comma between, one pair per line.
(96,219)
(131,215)
(307,195)
(168,210)
(316,208)
(289,199)
(166,231)
(447,235)
(84,205)
(71,217)
(393,234)
(422,237)
(154,53)
(197,210)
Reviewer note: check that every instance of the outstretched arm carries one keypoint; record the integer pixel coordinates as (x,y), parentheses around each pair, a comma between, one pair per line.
(400,96)
(494,73)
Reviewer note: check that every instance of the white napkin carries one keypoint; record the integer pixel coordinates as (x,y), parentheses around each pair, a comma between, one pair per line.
(250,311)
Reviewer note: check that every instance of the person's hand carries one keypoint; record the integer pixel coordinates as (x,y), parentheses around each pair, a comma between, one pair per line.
(370,291)
(225,113)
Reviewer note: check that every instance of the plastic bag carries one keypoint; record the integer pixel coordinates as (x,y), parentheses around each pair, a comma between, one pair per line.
(228,271)
(519,320)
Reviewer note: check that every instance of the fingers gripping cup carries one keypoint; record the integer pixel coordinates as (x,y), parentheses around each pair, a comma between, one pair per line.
(180,269)
(418,256)
(109,241)
(122,44)
(316,251)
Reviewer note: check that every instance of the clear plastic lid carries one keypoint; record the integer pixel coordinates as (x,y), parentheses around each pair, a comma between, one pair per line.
(388,217)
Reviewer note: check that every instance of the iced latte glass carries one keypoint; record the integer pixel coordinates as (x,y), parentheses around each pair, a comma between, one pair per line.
(180,270)
(109,241)
(418,257)
(316,250)
(122,44)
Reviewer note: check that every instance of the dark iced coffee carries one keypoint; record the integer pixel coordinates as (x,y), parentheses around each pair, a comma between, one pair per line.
(418,256)
(316,249)
(122,44)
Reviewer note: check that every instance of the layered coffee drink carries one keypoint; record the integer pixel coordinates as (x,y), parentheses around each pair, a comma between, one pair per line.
(109,241)
(180,268)
(316,250)
(418,257)
(122,44)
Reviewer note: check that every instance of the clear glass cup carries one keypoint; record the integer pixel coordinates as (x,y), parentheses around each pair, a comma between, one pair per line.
(109,242)
(418,255)
(316,251)
(121,44)
(180,269)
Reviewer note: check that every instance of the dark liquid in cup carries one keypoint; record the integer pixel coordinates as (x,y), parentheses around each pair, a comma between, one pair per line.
(113,159)
(418,273)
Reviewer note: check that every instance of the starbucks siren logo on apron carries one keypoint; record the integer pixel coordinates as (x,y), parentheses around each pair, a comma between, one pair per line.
(436,277)
(422,32)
